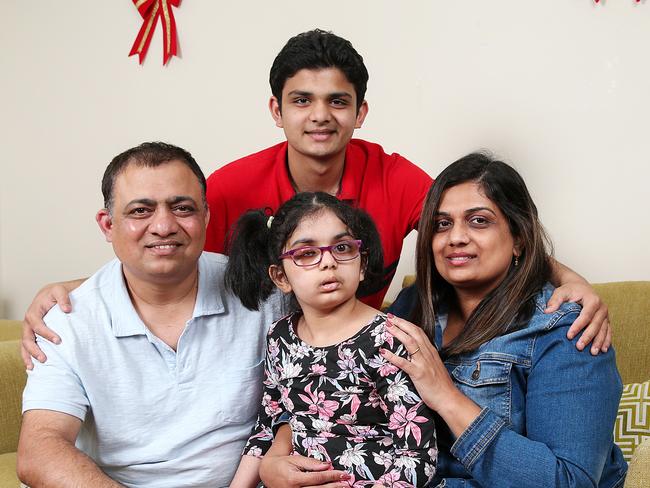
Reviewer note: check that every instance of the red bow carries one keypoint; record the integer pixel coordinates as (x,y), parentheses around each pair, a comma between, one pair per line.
(150,10)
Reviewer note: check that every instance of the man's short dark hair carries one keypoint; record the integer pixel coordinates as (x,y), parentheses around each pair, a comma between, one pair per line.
(318,49)
(150,155)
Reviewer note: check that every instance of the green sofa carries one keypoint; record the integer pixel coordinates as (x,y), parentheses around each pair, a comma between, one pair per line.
(629,305)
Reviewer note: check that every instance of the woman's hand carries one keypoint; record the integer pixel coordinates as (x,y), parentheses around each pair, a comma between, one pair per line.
(430,376)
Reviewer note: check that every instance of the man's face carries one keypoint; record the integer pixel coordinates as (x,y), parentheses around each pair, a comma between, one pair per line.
(158,222)
(319,113)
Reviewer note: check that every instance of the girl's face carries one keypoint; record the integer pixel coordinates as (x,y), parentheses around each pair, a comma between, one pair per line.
(325,285)
(472,244)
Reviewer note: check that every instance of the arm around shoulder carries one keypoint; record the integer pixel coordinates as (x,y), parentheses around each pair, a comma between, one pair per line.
(47,455)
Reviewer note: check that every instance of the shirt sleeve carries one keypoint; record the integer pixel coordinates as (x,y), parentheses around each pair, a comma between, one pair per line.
(215,237)
(411,193)
(571,404)
(55,384)
(412,456)
(271,410)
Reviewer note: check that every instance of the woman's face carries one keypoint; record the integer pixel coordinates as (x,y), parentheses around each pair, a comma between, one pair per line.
(472,244)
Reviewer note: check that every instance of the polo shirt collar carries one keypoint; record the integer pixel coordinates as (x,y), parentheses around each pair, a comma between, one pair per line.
(351,181)
(353,172)
(126,322)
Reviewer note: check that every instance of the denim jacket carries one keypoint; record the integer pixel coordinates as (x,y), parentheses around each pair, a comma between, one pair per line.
(548,410)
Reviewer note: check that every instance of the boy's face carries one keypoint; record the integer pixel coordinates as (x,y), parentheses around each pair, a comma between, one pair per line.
(318,113)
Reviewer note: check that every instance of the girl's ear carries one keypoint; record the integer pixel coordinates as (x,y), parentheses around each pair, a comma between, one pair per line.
(277,275)
(364,266)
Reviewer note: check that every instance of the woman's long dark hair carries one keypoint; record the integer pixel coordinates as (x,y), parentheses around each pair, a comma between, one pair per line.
(510,304)
(255,245)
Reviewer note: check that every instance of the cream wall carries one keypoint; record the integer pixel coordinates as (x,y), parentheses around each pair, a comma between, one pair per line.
(559,88)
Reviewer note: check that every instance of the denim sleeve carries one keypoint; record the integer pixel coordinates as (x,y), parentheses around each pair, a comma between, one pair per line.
(571,404)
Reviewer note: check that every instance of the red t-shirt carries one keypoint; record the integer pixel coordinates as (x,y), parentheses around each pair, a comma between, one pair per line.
(387,186)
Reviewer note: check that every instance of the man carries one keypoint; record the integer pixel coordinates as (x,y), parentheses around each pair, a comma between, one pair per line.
(318,84)
(159,372)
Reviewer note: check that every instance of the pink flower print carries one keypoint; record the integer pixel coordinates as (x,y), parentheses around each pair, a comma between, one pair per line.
(271,407)
(273,347)
(391,479)
(347,419)
(314,448)
(374,399)
(348,366)
(383,458)
(350,395)
(285,399)
(318,369)
(405,422)
(382,366)
(361,432)
(317,403)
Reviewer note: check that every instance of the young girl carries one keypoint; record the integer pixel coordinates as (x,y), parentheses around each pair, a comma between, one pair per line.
(324,373)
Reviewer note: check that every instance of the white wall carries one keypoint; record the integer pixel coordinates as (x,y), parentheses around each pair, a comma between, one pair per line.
(561,89)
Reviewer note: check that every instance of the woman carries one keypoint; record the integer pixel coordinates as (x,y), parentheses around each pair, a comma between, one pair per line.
(522,406)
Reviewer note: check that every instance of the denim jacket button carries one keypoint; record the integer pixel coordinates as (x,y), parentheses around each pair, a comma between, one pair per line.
(477,372)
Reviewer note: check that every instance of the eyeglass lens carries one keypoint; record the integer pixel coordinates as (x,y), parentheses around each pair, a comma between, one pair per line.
(341,251)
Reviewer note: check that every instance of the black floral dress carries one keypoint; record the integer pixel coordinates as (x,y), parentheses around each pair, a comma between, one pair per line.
(347,405)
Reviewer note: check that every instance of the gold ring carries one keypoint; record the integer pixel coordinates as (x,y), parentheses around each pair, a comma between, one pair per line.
(411,354)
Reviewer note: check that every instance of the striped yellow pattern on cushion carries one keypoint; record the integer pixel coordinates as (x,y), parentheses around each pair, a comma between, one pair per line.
(633,419)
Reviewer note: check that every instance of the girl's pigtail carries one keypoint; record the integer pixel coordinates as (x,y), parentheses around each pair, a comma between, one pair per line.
(247,271)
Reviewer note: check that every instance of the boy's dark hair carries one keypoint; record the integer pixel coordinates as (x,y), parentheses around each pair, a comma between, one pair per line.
(150,155)
(254,245)
(318,49)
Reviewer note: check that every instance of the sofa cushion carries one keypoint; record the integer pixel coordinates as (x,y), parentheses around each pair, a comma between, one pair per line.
(8,477)
(12,382)
(638,473)
(633,419)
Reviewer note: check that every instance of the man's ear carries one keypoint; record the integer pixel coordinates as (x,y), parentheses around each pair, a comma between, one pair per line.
(276,111)
(105,222)
(207,216)
(361,114)
(279,278)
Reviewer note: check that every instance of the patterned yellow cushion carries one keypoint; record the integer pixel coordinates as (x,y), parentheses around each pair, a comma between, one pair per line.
(633,419)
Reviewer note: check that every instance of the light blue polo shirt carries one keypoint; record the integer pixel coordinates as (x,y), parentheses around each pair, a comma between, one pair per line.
(153,416)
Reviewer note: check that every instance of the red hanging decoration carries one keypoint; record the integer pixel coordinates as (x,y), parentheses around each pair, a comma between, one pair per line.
(151,10)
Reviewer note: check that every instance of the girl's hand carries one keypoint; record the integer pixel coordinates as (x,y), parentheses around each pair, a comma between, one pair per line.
(430,376)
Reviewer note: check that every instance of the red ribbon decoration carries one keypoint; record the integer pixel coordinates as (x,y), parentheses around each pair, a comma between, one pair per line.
(150,10)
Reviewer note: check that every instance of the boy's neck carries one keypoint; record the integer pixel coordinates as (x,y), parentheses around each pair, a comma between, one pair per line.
(314,174)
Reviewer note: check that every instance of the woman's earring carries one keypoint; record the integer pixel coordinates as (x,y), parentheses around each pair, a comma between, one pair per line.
(516,261)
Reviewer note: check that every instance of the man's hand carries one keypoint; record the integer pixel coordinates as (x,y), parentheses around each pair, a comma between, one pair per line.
(45,299)
(593,319)
(300,472)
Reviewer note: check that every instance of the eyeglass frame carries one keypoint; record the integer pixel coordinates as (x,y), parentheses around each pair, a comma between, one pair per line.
(322,249)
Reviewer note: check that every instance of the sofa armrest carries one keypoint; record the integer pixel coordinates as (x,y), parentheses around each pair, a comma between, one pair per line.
(638,475)
(12,383)
(10,330)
